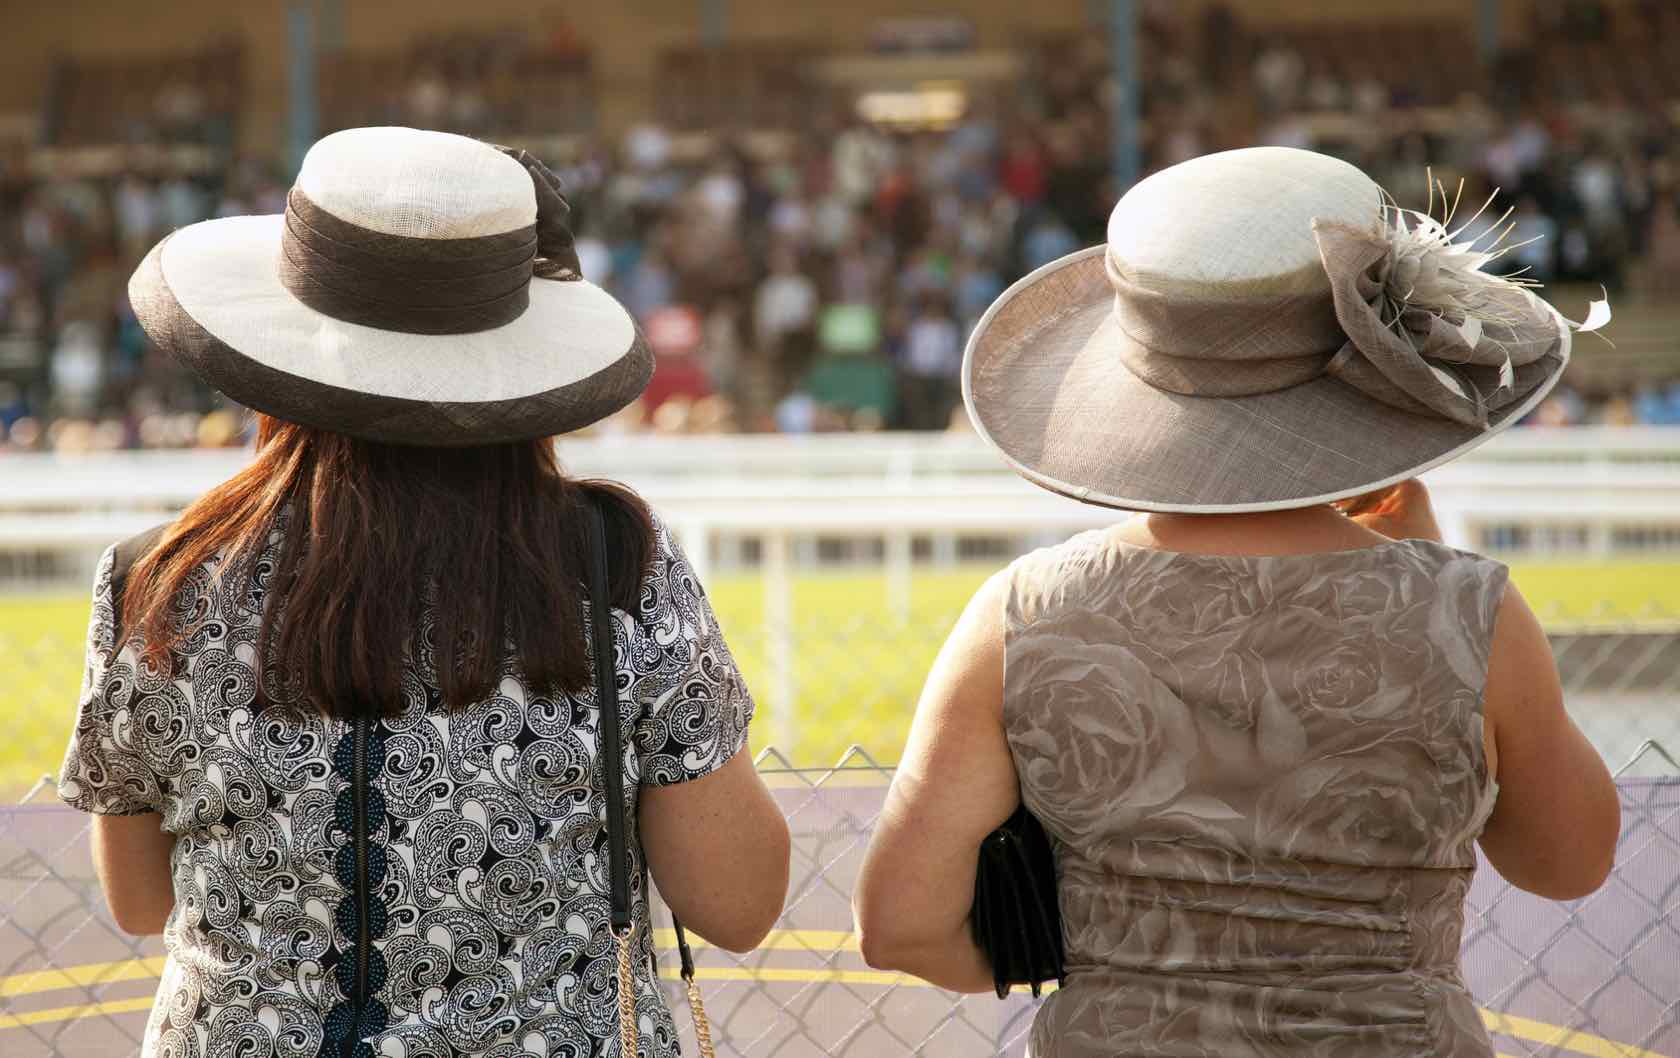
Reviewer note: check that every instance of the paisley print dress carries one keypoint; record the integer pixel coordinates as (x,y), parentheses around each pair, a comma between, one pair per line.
(1263,778)
(429,884)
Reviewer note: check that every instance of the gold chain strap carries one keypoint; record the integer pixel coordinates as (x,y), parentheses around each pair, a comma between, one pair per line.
(702,1024)
(627,1035)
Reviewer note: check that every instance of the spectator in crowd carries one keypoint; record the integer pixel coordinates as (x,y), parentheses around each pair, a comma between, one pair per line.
(1657,405)
(929,386)
(786,304)
(974,286)
(1533,241)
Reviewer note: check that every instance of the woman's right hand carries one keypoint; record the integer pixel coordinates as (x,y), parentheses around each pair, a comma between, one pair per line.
(1399,512)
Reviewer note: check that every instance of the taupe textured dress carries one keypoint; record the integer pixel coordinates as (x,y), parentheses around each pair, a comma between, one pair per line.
(1264,777)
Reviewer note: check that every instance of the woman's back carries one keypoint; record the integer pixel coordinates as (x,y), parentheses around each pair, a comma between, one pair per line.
(340,735)
(449,864)
(1265,776)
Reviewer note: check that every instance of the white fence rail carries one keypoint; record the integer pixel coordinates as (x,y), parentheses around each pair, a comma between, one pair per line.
(773,490)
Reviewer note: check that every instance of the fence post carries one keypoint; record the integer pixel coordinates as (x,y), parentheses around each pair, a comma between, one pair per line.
(696,539)
(779,639)
(899,575)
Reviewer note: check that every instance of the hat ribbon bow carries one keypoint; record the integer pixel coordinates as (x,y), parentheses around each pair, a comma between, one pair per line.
(1428,331)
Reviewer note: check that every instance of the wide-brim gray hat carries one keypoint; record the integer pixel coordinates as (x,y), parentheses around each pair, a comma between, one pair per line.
(1262,330)
(421,288)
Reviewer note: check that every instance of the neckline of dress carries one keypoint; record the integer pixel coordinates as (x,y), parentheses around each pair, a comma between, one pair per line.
(1379,547)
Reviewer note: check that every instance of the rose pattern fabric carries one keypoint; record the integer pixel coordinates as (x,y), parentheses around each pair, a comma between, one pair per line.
(488,824)
(1263,778)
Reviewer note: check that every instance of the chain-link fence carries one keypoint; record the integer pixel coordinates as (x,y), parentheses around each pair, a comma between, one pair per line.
(827,680)
(1598,977)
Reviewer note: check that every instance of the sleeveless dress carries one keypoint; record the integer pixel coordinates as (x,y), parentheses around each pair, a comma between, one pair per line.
(430,884)
(1263,778)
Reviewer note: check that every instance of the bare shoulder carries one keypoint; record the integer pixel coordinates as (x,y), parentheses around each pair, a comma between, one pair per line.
(1522,673)
(1554,824)
(979,630)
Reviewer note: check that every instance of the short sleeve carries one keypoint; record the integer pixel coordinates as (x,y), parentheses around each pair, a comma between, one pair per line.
(103,772)
(1469,593)
(695,705)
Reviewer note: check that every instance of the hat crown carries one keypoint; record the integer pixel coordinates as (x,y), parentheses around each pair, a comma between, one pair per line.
(1238,223)
(418,183)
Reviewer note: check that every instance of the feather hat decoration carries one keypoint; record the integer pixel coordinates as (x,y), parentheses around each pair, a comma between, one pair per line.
(1428,328)
(1433,267)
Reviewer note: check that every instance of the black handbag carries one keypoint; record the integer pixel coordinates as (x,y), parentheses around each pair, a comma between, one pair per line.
(1017,919)
(612,783)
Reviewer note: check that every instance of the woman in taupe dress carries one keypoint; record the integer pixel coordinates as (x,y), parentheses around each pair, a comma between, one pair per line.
(1266,721)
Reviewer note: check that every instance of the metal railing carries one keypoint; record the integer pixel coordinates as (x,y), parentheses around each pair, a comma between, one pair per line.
(1598,977)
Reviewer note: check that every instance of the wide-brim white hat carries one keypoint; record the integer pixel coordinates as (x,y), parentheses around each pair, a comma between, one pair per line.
(421,289)
(1262,330)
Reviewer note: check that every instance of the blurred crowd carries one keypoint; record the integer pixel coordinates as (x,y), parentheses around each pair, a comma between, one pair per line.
(827,279)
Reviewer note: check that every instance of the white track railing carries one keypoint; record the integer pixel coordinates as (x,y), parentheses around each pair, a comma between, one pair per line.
(778,492)
(881,486)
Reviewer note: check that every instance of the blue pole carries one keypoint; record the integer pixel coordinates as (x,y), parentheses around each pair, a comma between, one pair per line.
(302,110)
(1489,30)
(714,22)
(332,26)
(1122,34)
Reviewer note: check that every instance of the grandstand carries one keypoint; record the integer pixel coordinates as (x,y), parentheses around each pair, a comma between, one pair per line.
(808,207)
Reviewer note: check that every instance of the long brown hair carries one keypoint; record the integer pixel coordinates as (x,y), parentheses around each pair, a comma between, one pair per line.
(490,539)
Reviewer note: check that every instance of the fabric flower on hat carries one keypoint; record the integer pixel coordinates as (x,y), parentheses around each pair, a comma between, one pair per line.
(1429,331)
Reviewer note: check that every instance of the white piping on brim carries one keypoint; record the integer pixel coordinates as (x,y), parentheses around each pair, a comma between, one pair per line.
(1085,494)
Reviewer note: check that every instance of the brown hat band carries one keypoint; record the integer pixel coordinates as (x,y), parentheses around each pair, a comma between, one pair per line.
(1451,362)
(401,283)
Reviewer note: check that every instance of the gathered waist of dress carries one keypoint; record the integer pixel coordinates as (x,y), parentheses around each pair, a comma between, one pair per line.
(1396,921)
(1106,1013)
(1110,1013)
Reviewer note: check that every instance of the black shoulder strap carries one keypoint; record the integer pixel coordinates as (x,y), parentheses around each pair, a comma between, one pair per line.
(612,742)
(606,700)
(129,552)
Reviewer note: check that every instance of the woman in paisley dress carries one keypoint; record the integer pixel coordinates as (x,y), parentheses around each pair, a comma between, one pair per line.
(339,728)
(1266,721)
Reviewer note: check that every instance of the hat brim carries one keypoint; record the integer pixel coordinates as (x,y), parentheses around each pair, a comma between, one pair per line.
(1046,386)
(211,295)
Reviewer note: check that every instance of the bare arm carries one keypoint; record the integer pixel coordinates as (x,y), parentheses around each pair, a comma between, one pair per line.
(718,850)
(1554,827)
(131,857)
(956,785)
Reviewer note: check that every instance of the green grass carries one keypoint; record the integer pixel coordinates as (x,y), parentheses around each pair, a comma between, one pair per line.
(40,673)
(858,666)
